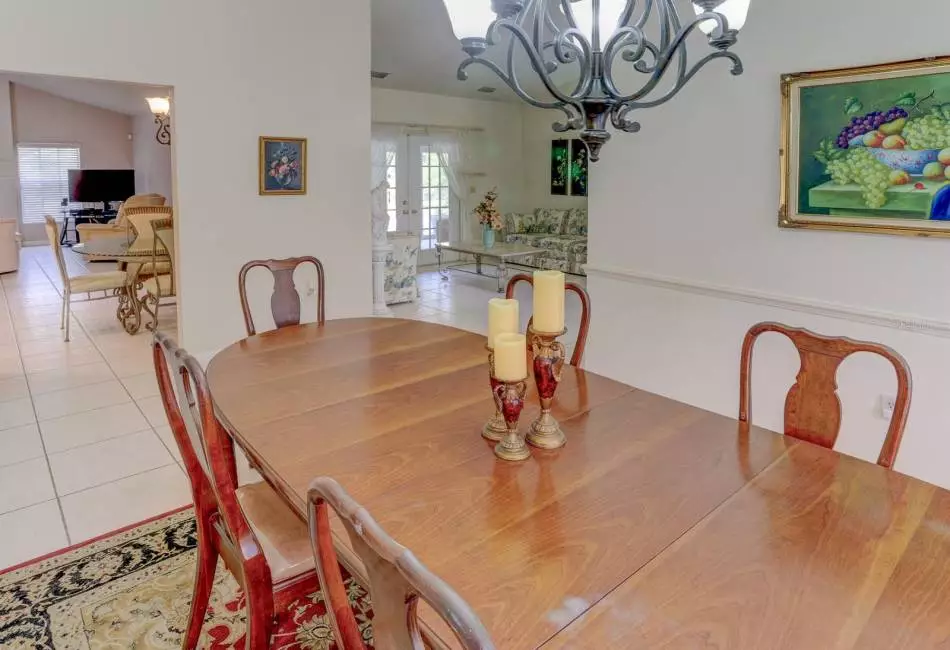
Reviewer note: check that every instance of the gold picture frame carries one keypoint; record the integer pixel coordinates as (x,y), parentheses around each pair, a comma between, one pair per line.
(906,199)
(282,166)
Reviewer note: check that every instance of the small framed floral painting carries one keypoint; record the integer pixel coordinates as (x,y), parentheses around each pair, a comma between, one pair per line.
(283,165)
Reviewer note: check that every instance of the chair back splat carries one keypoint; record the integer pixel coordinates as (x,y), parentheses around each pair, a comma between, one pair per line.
(812,406)
(285,301)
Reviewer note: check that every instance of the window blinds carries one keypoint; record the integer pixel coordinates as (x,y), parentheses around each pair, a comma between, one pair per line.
(44,179)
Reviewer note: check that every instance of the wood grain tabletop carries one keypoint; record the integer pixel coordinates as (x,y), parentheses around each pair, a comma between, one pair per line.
(656,526)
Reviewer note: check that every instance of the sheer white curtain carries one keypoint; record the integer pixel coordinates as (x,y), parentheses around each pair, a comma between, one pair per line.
(384,145)
(452,150)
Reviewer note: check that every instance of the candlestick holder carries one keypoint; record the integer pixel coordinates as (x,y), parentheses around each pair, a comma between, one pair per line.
(549,355)
(495,429)
(509,396)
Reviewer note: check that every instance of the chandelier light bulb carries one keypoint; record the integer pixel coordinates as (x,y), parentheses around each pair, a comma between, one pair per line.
(735,12)
(470,18)
(609,18)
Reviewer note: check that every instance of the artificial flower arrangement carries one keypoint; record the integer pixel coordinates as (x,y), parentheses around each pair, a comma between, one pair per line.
(487,212)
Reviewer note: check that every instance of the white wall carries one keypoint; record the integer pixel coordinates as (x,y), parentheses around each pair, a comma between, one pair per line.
(102,135)
(497,151)
(230,87)
(9,181)
(151,159)
(538,136)
(685,211)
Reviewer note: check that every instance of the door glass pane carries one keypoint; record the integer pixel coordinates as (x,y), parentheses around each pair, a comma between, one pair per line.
(391,192)
(436,196)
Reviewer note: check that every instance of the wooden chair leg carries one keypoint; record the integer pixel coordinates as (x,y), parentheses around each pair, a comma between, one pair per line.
(260,616)
(207,561)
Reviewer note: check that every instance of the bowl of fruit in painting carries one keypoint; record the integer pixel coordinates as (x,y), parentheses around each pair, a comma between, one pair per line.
(890,138)
(885,149)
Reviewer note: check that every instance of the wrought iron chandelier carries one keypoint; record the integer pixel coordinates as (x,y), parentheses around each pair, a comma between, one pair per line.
(598,36)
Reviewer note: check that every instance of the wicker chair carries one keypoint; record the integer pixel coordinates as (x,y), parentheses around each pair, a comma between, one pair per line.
(117,227)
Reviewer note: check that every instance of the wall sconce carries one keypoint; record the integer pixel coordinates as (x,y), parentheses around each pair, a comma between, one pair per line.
(160,107)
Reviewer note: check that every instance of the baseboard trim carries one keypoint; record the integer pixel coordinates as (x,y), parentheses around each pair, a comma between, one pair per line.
(903,322)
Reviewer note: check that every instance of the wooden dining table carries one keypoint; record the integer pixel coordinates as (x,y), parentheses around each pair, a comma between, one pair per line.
(658,525)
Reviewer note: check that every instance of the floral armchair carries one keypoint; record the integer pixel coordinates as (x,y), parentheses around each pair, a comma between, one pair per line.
(561,233)
(401,285)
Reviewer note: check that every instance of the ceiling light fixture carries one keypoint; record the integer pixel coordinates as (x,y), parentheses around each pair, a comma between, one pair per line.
(599,36)
(161,107)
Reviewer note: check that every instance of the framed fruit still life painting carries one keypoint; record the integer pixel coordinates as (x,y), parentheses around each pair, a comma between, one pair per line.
(868,149)
(282,166)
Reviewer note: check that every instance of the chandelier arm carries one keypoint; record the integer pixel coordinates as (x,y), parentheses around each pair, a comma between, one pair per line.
(663,12)
(627,13)
(536,60)
(663,62)
(684,79)
(494,67)
(568,13)
(620,42)
(645,16)
(563,46)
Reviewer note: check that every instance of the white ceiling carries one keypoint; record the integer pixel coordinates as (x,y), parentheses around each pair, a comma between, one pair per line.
(413,40)
(111,95)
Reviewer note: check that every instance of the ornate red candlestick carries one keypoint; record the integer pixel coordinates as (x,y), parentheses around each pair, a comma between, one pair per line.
(495,429)
(549,356)
(509,396)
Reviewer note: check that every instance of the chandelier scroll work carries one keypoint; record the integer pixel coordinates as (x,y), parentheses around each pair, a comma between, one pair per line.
(547,33)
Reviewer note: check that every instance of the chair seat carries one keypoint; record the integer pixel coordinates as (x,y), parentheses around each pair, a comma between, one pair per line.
(97,281)
(283,536)
(159,285)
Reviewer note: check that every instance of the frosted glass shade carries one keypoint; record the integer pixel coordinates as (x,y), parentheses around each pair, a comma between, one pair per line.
(470,18)
(158,105)
(735,12)
(610,11)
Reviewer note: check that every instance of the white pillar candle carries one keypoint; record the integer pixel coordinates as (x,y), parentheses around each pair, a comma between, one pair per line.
(511,363)
(548,301)
(502,318)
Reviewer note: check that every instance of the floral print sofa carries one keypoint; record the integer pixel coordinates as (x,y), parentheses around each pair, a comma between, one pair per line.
(561,233)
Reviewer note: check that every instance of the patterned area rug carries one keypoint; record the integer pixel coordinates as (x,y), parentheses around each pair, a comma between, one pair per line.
(132,589)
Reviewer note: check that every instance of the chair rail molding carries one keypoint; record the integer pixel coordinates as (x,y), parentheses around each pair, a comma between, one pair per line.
(903,322)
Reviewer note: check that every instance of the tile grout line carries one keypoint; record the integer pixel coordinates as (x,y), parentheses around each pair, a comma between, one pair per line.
(122,384)
(49,467)
(138,407)
(124,478)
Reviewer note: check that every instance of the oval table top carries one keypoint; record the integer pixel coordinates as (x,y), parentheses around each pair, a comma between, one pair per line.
(656,526)
(116,248)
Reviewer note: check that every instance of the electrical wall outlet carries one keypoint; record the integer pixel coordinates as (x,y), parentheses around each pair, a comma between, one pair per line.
(887,406)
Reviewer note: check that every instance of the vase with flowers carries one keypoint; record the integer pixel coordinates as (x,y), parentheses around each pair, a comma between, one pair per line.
(489,217)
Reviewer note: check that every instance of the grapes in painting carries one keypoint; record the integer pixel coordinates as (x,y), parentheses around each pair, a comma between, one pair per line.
(891,149)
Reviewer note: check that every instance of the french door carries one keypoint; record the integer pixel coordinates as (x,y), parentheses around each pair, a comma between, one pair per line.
(420,199)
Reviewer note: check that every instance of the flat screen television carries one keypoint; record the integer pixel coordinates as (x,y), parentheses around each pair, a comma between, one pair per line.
(101,185)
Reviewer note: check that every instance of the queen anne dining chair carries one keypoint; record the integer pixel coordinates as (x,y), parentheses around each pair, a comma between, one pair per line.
(571,287)
(262,543)
(812,406)
(108,282)
(397,580)
(285,301)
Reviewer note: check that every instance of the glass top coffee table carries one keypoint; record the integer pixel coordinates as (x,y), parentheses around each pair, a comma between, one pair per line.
(498,255)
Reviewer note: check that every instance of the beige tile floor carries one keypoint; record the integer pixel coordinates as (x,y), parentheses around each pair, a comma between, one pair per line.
(85,447)
(79,456)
